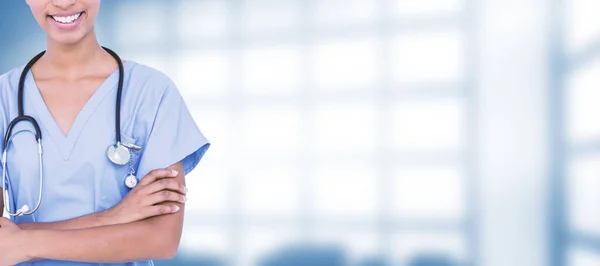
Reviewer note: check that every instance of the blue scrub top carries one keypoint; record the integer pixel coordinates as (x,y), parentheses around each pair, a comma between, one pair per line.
(79,179)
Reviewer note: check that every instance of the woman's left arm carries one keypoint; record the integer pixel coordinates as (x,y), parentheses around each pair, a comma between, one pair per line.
(153,238)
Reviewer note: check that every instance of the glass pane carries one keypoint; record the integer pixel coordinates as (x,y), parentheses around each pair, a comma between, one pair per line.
(344,128)
(429,249)
(582,257)
(198,19)
(346,190)
(584,194)
(271,70)
(582,105)
(206,73)
(270,189)
(583,23)
(209,188)
(414,8)
(432,57)
(429,192)
(148,27)
(263,244)
(425,125)
(259,16)
(271,130)
(340,12)
(357,244)
(206,240)
(344,64)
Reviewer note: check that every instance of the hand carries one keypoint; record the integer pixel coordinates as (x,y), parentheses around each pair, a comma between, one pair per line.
(141,202)
(12,244)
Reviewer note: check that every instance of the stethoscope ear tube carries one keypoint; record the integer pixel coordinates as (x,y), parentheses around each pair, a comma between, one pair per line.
(119,93)
(22,81)
(14,122)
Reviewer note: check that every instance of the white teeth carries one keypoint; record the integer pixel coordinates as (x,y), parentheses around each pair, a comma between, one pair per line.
(67,20)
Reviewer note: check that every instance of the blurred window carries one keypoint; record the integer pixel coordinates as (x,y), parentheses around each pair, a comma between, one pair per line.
(578,185)
(335,122)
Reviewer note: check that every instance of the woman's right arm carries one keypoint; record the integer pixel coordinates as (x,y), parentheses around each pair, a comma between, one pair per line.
(134,207)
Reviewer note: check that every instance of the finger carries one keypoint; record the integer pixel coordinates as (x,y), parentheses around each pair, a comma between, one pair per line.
(161,210)
(157,174)
(164,184)
(164,196)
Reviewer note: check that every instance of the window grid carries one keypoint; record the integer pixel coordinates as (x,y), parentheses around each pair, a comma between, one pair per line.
(569,245)
(236,100)
(470,160)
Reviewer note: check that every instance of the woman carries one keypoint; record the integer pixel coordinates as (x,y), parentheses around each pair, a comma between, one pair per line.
(91,210)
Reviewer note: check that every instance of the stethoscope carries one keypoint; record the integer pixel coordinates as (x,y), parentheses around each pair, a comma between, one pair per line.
(118,153)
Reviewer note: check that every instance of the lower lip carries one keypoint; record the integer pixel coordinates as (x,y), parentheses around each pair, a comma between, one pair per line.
(69,26)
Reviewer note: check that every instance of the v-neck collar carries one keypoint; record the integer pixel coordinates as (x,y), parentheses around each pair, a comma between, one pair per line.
(66,144)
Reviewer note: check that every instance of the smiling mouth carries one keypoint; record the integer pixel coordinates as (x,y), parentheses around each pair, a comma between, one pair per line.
(67,19)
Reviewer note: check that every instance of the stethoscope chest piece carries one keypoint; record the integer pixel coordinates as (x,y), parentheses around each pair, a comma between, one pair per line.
(118,154)
(131,181)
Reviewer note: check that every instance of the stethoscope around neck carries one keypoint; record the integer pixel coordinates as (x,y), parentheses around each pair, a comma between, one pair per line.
(119,153)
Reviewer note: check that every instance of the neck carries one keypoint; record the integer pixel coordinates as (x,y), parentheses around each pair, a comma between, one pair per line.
(72,57)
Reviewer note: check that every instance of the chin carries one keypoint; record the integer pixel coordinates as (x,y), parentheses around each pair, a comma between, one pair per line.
(67,38)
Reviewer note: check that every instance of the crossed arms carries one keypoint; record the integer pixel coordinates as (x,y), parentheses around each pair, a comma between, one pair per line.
(145,225)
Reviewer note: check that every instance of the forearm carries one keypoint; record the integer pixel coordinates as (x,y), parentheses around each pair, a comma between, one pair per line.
(152,238)
(83,222)
(142,240)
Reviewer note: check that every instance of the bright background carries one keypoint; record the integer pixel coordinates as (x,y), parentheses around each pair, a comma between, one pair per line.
(375,132)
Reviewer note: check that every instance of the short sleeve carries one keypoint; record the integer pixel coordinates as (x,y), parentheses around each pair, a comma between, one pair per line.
(174,137)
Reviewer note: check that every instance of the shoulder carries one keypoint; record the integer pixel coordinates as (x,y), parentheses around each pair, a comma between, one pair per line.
(149,90)
(9,86)
(144,80)
(9,81)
